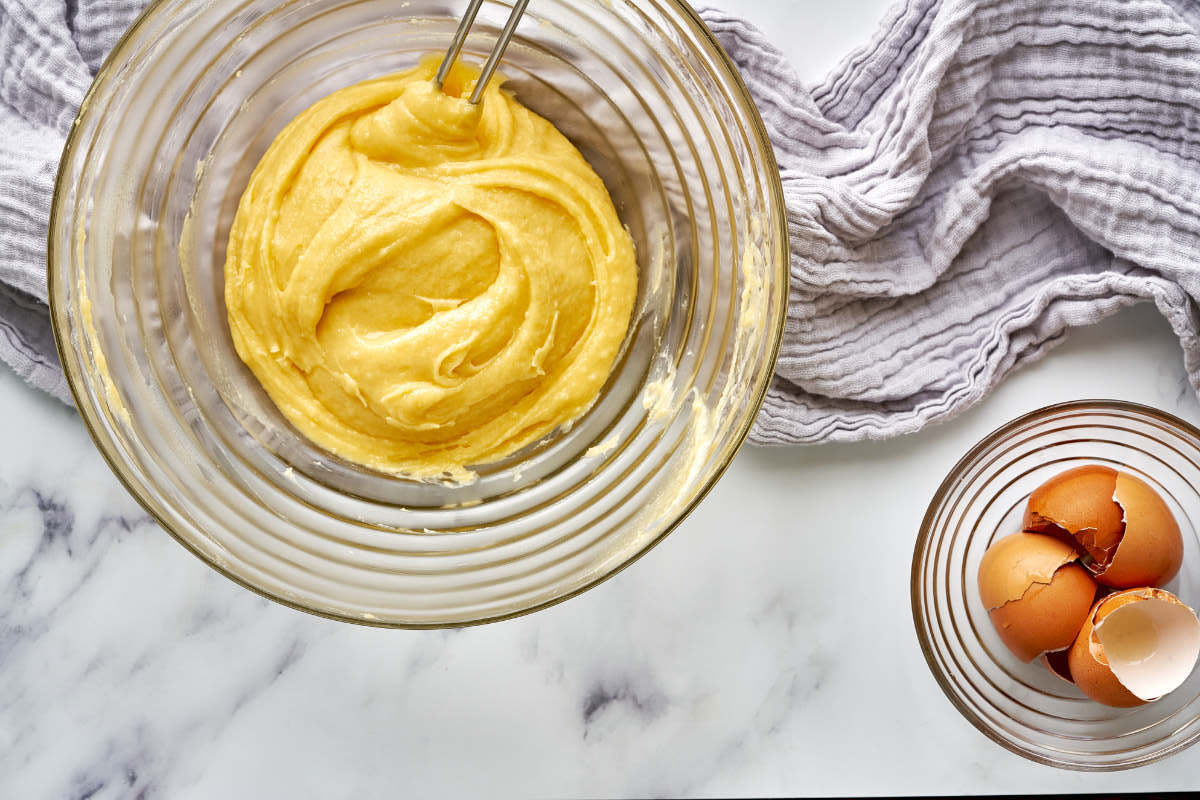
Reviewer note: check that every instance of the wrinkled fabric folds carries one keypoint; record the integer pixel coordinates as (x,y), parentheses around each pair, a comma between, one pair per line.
(976,179)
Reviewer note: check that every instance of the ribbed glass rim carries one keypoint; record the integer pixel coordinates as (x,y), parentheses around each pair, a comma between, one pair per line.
(780,260)
(916,585)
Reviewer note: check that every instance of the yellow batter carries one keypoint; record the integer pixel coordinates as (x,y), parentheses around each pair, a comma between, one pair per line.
(421,284)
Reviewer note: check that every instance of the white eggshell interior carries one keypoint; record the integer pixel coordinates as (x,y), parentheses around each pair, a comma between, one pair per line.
(1151,645)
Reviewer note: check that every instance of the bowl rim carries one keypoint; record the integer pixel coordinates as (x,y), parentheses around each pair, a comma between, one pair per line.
(916,585)
(60,326)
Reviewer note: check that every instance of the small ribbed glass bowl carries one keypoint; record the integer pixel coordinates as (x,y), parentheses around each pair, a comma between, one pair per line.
(1023,706)
(164,144)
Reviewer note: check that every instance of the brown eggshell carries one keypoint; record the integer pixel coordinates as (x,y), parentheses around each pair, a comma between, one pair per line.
(1151,551)
(1078,506)
(1057,662)
(1089,667)
(1012,564)
(1048,616)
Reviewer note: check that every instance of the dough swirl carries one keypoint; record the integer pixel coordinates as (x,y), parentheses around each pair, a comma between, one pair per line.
(421,284)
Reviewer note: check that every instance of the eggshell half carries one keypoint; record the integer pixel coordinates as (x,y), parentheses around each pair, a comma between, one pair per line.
(1135,646)
(1151,645)
(1048,616)
(1119,525)
(1151,550)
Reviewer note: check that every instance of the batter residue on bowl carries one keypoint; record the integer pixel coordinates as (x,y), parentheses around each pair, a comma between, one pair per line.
(421,284)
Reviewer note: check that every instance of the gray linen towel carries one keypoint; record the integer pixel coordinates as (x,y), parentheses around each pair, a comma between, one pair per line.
(49,50)
(979,177)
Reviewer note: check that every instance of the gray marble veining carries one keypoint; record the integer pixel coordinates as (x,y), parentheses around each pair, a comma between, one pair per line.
(766,647)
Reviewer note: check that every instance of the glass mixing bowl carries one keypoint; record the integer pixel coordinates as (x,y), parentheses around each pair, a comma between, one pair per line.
(1023,706)
(164,143)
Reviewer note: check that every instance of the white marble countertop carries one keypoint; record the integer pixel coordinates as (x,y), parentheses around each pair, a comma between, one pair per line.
(766,647)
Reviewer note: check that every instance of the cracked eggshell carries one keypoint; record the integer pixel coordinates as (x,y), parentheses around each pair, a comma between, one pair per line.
(1151,550)
(1121,528)
(1036,593)
(1077,506)
(1135,646)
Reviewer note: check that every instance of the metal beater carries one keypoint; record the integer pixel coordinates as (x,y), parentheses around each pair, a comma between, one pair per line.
(460,36)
